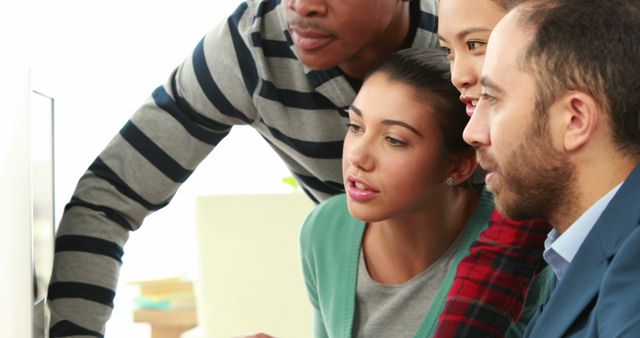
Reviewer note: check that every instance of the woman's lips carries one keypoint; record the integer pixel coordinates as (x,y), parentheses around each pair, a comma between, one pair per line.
(359,191)
(470,109)
(471,104)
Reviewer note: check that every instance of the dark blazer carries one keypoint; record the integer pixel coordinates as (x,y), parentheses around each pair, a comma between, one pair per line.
(599,296)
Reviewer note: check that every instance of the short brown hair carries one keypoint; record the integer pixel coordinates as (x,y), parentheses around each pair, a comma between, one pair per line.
(591,46)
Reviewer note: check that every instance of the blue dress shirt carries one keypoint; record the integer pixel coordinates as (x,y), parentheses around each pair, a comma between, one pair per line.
(561,248)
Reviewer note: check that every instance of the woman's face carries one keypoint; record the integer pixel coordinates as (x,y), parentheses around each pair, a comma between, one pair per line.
(463,29)
(392,159)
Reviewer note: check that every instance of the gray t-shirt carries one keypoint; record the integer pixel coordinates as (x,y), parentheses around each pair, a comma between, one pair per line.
(398,310)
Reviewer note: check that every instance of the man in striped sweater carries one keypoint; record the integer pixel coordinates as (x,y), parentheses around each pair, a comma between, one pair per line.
(289,69)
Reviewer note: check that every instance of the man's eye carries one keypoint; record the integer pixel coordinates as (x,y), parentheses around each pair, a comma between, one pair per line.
(484,97)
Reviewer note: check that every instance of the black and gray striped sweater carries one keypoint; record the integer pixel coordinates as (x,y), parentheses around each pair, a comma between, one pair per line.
(243,72)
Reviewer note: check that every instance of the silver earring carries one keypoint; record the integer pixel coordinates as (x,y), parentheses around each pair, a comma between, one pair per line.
(449,181)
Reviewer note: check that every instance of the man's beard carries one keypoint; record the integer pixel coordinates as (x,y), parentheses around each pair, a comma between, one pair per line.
(534,181)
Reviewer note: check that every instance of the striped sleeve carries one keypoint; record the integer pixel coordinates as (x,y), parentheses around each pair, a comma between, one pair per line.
(243,72)
(141,169)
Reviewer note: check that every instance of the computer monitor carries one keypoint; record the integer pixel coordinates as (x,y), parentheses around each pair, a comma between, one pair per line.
(42,202)
(16,284)
(26,204)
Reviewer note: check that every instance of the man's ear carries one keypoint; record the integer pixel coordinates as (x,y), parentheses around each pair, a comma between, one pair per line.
(578,115)
(463,167)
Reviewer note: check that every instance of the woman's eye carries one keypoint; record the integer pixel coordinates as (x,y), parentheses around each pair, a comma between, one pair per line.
(447,52)
(354,128)
(473,45)
(395,142)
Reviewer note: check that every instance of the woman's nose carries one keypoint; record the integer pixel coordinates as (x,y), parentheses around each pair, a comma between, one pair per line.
(463,73)
(358,152)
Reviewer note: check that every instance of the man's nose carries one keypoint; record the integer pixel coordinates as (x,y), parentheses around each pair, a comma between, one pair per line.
(309,8)
(476,133)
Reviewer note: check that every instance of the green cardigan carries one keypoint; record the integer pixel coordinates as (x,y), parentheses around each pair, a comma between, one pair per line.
(330,245)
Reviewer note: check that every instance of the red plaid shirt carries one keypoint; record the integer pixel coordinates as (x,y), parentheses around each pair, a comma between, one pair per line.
(491,284)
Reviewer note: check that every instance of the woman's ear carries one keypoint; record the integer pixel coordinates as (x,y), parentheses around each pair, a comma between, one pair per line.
(463,166)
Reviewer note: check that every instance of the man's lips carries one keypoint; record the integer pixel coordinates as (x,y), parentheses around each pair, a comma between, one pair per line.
(489,178)
(490,173)
(309,39)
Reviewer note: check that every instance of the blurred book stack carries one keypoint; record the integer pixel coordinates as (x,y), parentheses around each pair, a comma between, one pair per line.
(167,294)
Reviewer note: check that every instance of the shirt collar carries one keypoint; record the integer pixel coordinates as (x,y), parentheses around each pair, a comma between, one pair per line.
(560,249)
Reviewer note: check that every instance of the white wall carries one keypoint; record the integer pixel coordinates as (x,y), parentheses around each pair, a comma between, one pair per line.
(100,60)
(15,177)
(15,235)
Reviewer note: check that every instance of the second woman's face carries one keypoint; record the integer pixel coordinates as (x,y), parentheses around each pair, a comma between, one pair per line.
(392,159)
(464,27)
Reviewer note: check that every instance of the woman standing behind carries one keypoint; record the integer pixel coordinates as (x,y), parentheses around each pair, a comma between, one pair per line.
(380,260)
(512,249)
